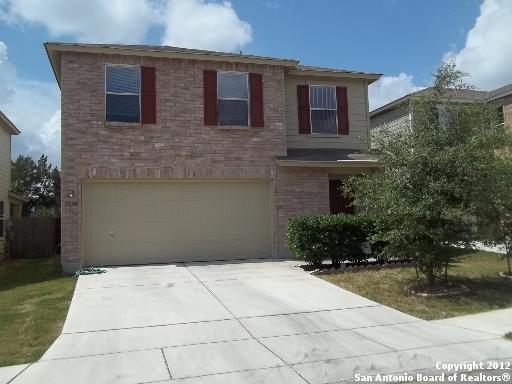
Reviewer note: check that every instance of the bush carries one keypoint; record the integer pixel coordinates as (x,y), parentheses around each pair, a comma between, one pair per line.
(340,237)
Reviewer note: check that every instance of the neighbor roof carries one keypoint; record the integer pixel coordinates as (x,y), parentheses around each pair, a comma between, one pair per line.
(8,124)
(54,51)
(500,92)
(463,95)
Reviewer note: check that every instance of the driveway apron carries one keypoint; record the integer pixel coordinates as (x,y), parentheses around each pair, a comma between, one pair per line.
(256,321)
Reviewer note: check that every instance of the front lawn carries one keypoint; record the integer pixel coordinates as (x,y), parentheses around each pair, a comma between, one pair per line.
(34,301)
(478,271)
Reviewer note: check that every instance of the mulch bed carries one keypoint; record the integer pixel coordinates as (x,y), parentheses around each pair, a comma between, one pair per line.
(354,267)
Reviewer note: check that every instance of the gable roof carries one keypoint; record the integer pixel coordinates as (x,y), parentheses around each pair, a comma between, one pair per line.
(461,95)
(8,125)
(54,51)
(500,92)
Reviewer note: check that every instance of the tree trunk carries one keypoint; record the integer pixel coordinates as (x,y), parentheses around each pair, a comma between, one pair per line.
(431,276)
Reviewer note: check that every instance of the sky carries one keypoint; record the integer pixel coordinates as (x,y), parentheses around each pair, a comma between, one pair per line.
(405,40)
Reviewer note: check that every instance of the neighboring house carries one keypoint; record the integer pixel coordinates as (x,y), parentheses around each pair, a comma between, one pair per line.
(7,129)
(397,114)
(173,154)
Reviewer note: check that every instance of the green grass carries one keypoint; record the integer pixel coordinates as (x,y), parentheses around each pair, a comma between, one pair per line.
(478,271)
(34,301)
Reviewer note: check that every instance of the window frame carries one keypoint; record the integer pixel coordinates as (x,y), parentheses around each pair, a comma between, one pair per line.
(248,100)
(323,109)
(124,93)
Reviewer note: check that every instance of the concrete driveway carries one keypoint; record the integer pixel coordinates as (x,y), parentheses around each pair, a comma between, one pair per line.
(240,322)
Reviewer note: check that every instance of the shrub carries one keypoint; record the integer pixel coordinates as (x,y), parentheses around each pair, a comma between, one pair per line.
(316,238)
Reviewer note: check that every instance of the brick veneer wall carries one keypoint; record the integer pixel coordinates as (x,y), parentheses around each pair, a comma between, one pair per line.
(179,146)
(298,191)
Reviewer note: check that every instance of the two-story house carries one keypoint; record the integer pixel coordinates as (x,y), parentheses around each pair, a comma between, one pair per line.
(173,154)
(7,200)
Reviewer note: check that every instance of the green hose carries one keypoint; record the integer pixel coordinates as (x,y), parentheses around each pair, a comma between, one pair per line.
(89,271)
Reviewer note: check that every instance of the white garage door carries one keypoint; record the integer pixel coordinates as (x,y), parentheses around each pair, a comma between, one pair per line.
(156,222)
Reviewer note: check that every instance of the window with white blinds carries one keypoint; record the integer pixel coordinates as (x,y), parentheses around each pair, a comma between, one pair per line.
(233,98)
(122,89)
(323,107)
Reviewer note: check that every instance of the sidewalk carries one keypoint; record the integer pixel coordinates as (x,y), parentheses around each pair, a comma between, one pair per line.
(497,322)
(482,247)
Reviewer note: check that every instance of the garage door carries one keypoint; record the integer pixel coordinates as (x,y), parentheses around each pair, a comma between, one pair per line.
(153,222)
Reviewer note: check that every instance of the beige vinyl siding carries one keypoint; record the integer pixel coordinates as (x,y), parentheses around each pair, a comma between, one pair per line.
(357,114)
(394,120)
(5,175)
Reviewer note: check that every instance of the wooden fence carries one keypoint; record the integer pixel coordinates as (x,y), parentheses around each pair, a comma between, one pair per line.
(33,237)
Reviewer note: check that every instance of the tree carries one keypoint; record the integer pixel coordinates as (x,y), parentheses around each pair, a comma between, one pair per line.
(496,220)
(38,182)
(427,196)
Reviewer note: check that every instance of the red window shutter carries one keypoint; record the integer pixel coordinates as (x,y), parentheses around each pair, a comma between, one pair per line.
(210,97)
(342,99)
(256,99)
(148,95)
(303,107)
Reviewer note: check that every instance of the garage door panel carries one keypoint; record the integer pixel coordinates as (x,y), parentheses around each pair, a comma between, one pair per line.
(126,253)
(247,230)
(175,221)
(252,191)
(101,211)
(215,230)
(250,250)
(163,192)
(213,209)
(206,250)
(254,209)
(193,191)
(194,211)
(162,211)
(156,232)
(120,231)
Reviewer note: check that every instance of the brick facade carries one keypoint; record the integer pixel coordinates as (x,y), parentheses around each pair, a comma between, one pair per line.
(179,146)
(298,191)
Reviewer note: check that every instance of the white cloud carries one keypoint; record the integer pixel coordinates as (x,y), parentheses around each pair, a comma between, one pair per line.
(205,25)
(33,106)
(389,88)
(487,55)
(187,23)
(7,75)
(112,21)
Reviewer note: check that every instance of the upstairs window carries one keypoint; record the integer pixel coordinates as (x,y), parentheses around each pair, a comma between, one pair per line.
(233,98)
(122,89)
(323,106)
